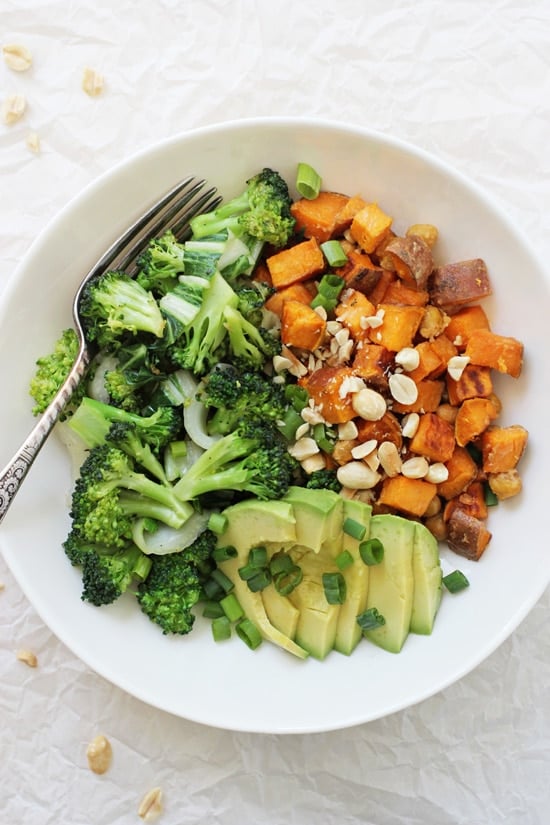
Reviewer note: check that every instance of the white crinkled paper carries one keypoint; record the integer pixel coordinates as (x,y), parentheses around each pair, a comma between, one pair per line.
(469,82)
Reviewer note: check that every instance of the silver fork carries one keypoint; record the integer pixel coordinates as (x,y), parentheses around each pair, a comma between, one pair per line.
(173,211)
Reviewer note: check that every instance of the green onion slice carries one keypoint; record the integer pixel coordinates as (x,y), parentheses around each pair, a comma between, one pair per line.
(371,551)
(334,253)
(259,580)
(248,633)
(280,563)
(231,607)
(223,581)
(335,589)
(291,421)
(354,529)
(370,619)
(308,181)
(221,629)
(257,557)
(455,581)
(217,523)
(212,610)
(298,396)
(224,553)
(212,590)
(287,580)
(343,560)
(328,292)
(491,499)
(325,437)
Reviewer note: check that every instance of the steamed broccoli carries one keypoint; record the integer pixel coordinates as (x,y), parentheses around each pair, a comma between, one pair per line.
(160,264)
(174,585)
(111,492)
(253,459)
(92,421)
(324,480)
(262,212)
(107,575)
(234,396)
(114,304)
(52,370)
(250,346)
(132,377)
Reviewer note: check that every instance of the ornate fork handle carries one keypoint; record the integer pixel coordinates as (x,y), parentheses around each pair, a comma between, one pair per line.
(14,472)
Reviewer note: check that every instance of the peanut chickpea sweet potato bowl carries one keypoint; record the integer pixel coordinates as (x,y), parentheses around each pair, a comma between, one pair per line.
(409,318)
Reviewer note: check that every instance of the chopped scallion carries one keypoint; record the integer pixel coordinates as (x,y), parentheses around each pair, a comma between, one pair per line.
(224,553)
(280,563)
(291,421)
(298,396)
(212,610)
(287,580)
(308,181)
(261,578)
(231,607)
(221,629)
(335,589)
(217,523)
(371,551)
(325,437)
(343,560)
(354,529)
(328,292)
(257,557)
(334,253)
(455,581)
(491,499)
(249,633)
(370,619)
(223,581)
(212,590)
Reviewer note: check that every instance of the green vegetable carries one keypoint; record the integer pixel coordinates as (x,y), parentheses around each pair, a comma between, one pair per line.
(371,551)
(51,372)
(370,619)
(334,253)
(455,581)
(334,586)
(308,181)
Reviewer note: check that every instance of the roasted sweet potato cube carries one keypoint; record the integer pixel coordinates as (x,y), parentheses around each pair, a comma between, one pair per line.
(412,258)
(371,362)
(463,323)
(386,428)
(502,447)
(376,294)
(398,293)
(456,284)
(466,535)
(298,263)
(360,272)
(434,438)
(370,226)
(303,292)
(398,328)
(301,326)
(325,387)
(430,362)
(350,210)
(445,349)
(352,309)
(473,417)
(472,501)
(475,382)
(428,399)
(462,471)
(319,217)
(408,495)
(500,352)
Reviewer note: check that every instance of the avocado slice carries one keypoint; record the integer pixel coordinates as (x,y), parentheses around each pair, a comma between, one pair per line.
(280,611)
(427,580)
(251,523)
(348,632)
(318,515)
(391,583)
(318,620)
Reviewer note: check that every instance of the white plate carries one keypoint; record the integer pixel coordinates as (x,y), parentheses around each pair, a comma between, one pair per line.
(226,685)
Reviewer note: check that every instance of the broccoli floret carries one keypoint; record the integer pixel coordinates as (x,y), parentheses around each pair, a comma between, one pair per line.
(125,436)
(51,372)
(324,480)
(114,304)
(253,459)
(133,375)
(93,419)
(174,585)
(234,396)
(107,575)
(252,298)
(183,301)
(111,492)
(201,343)
(161,263)
(262,212)
(250,346)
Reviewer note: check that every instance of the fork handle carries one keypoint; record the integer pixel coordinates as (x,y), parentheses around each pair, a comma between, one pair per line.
(14,473)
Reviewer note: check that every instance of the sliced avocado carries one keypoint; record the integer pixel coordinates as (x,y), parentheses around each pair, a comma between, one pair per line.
(318,515)
(391,583)
(318,620)
(427,580)
(249,524)
(280,611)
(348,632)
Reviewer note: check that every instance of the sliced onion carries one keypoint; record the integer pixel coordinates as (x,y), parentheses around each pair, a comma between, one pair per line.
(167,539)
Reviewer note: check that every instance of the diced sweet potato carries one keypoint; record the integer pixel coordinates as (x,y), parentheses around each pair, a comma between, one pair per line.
(467,535)
(462,471)
(430,362)
(398,327)
(456,284)
(412,258)
(360,272)
(502,447)
(500,352)
(475,382)
(398,293)
(434,438)
(376,294)
(371,362)
(370,226)
(301,326)
(408,495)
(298,263)
(261,274)
(428,399)
(445,349)
(352,308)
(350,210)
(473,417)
(303,292)
(319,217)
(327,388)
(463,323)
(471,501)
(386,428)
